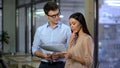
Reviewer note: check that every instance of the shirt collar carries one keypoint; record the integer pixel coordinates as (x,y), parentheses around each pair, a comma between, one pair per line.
(58,25)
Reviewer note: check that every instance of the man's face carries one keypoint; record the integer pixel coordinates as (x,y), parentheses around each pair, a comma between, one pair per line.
(53,16)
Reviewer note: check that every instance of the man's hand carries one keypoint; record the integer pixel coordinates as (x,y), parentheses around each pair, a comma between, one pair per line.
(47,56)
(56,56)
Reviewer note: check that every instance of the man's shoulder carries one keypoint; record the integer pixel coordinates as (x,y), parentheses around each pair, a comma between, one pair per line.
(65,25)
(42,26)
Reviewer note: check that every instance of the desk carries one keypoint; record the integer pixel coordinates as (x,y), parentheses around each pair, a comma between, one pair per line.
(33,65)
(22,60)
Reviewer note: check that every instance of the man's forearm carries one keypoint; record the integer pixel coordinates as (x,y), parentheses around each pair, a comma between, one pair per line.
(39,54)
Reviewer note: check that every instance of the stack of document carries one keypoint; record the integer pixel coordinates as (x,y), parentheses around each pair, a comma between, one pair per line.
(54,47)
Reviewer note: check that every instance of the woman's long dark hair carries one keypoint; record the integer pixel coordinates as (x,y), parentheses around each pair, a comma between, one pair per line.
(79,17)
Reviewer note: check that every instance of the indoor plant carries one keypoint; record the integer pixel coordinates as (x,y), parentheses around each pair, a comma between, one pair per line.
(4,37)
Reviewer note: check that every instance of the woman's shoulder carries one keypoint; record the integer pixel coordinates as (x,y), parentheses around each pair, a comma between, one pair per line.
(85,36)
(88,38)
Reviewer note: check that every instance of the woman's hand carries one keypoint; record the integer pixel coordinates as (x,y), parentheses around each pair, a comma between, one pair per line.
(68,56)
(73,35)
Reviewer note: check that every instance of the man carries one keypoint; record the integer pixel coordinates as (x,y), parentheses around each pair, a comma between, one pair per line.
(52,33)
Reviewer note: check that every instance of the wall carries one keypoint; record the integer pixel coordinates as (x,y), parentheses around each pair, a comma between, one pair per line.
(9,24)
(90,15)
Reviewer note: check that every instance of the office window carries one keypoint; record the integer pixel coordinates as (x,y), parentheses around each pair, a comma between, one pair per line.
(0,3)
(23,2)
(28,30)
(0,23)
(39,15)
(67,7)
(21,30)
(29,17)
(109,33)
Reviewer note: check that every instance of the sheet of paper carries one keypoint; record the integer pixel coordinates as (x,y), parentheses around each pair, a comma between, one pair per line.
(54,47)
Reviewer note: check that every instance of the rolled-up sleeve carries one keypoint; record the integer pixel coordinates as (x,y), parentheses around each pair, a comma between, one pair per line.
(36,42)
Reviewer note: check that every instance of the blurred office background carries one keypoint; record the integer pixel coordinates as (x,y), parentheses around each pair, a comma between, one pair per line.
(20,18)
(109,34)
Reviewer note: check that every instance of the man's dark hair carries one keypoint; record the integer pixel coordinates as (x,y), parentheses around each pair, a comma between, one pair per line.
(50,6)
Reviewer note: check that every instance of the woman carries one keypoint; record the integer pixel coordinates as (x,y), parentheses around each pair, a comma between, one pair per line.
(80,46)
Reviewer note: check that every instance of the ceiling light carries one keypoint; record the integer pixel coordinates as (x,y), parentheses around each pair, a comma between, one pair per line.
(113,2)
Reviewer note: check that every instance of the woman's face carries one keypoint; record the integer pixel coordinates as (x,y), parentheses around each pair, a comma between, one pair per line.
(74,25)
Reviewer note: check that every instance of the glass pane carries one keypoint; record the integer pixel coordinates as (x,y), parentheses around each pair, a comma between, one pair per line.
(39,16)
(0,21)
(21,29)
(109,33)
(69,6)
(0,3)
(24,26)
(0,29)
(22,2)
(29,29)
